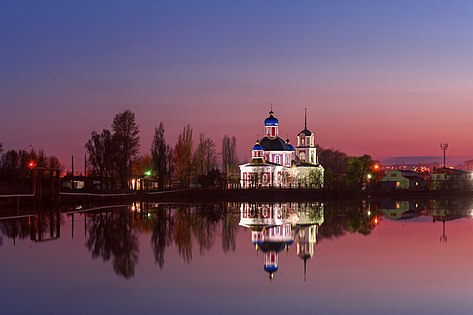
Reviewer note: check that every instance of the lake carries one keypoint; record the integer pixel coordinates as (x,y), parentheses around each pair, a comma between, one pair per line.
(336,257)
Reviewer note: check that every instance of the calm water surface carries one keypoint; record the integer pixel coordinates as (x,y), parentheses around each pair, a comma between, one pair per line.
(389,257)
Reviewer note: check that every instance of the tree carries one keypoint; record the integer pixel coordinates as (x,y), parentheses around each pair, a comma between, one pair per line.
(100,151)
(229,156)
(204,159)
(161,154)
(126,143)
(183,156)
(335,164)
(230,160)
(358,168)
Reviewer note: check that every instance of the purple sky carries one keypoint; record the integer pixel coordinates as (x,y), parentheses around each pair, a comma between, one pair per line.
(387,78)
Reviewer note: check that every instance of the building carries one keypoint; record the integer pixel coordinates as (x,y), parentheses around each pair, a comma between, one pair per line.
(276,163)
(275,227)
(402,179)
(450,178)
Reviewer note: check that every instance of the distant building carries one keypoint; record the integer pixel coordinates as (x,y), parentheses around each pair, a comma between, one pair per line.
(276,163)
(450,178)
(402,179)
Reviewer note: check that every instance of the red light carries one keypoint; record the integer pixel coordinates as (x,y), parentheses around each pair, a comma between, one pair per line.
(31,164)
(376,220)
(376,166)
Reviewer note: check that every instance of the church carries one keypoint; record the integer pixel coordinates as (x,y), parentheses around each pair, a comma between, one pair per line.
(277,163)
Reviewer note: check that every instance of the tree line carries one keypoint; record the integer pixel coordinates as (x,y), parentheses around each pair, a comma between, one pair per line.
(113,157)
(16,168)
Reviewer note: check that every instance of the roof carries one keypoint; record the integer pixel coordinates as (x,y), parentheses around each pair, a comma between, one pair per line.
(445,170)
(274,246)
(260,162)
(257,147)
(271,120)
(274,144)
(306,132)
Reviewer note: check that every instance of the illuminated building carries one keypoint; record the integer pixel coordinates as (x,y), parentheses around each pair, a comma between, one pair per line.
(276,163)
(402,179)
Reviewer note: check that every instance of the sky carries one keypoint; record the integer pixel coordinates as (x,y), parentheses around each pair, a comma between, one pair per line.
(386,78)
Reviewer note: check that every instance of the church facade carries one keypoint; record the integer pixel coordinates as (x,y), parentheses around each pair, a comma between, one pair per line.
(277,163)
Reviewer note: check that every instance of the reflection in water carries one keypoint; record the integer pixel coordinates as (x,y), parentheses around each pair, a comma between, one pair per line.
(113,234)
(111,237)
(34,226)
(274,227)
(161,237)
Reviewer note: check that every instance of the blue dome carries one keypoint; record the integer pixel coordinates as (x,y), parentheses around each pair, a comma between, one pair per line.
(257,147)
(271,120)
(270,268)
(290,146)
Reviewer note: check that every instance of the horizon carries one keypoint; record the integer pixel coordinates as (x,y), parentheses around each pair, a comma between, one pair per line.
(379,78)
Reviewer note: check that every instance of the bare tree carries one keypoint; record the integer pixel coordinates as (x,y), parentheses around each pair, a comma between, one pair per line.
(161,154)
(100,151)
(126,143)
(205,156)
(183,156)
(230,160)
(229,156)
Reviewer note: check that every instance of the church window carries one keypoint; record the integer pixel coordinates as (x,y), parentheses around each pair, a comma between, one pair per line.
(276,159)
(302,156)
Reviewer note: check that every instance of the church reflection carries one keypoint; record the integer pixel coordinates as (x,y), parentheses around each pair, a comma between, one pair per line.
(275,227)
(113,233)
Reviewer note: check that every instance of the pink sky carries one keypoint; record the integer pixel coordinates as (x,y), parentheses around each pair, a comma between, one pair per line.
(386,79)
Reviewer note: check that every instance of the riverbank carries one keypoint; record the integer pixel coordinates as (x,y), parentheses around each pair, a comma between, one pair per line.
(236,195)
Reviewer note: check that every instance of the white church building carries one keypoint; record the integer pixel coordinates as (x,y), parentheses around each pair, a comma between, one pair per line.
(277,163)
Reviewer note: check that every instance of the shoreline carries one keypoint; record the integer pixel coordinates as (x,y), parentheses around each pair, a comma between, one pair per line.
(201,195)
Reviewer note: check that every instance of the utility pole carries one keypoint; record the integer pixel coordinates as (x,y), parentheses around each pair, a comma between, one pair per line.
(444,147)
(72,180)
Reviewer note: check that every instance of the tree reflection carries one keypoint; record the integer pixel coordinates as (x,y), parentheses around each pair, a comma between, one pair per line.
(182,232)
(34,226)
(111,237)
(161,237)
(346,216)
(204,225)
(229,230)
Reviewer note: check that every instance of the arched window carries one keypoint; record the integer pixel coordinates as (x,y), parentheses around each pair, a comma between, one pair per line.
(277,160)
(302,156)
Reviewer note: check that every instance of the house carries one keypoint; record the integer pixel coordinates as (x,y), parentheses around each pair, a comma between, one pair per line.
(450,178)
(402,179)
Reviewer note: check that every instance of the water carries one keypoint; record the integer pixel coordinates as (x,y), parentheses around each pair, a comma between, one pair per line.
(390,257)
